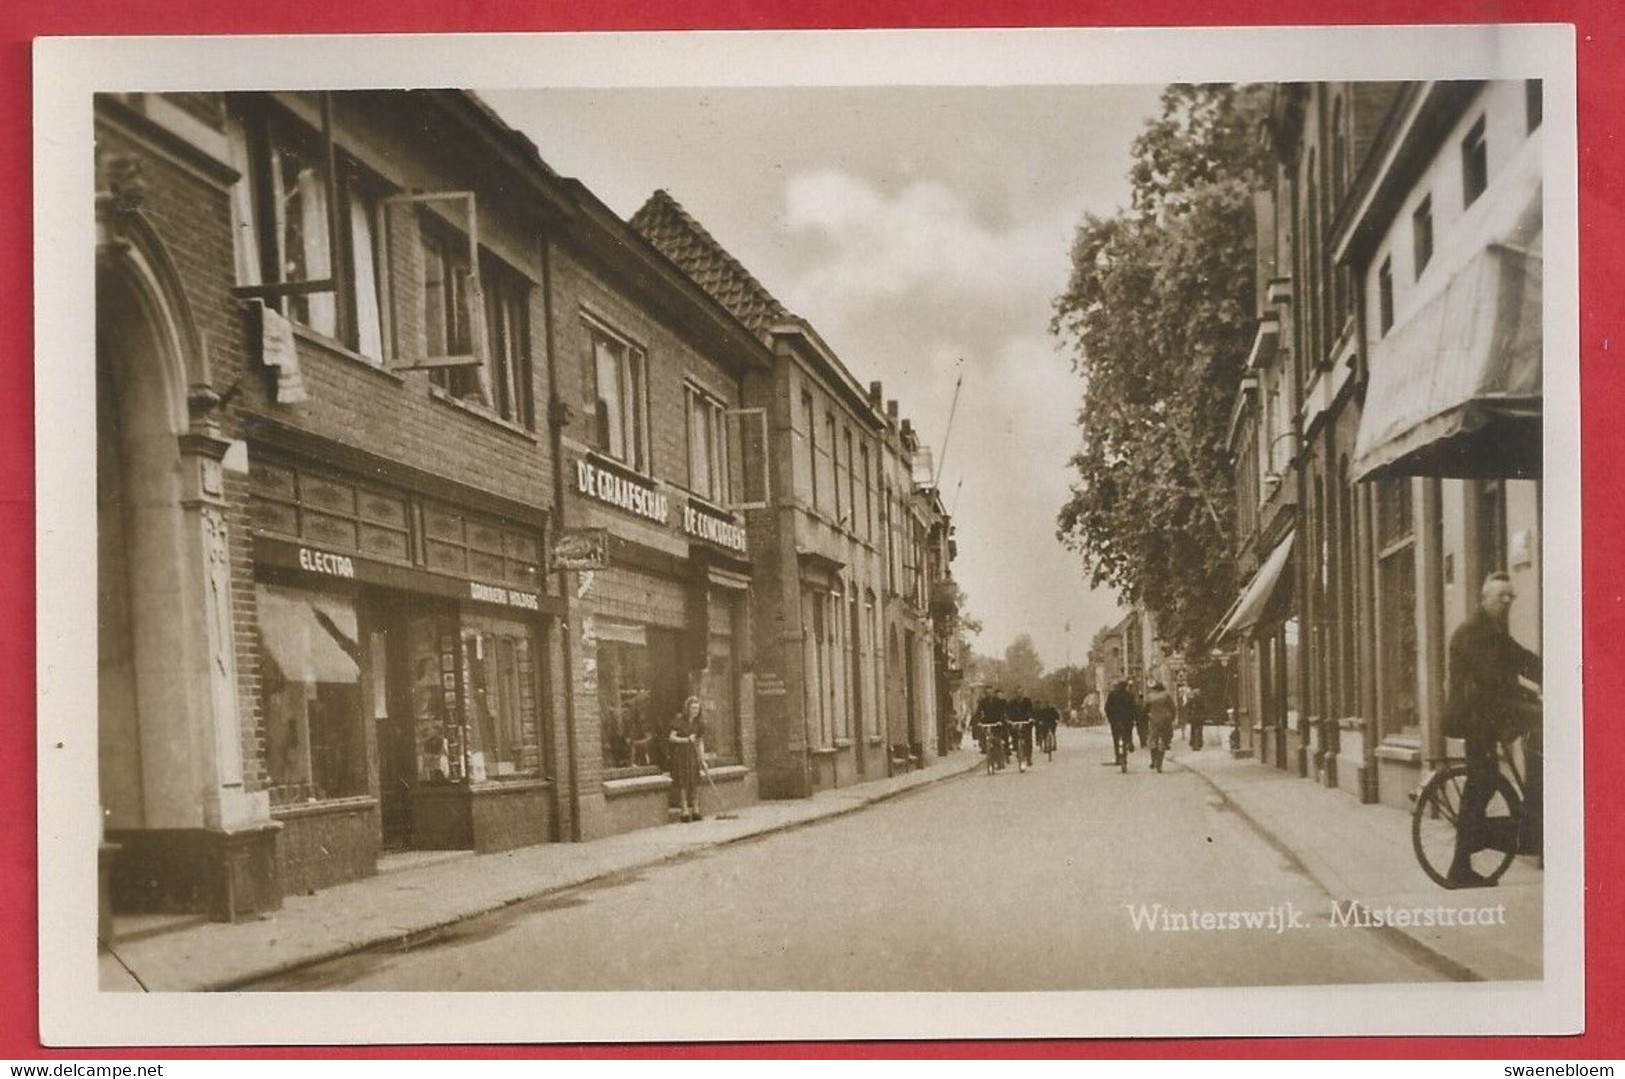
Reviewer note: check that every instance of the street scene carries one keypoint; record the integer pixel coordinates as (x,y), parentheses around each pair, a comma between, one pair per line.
(757,539)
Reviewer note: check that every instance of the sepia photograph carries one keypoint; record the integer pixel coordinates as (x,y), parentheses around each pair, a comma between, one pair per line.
(683,536)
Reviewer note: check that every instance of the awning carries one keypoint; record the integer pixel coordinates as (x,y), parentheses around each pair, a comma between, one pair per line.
(1255,599)
(1455,390)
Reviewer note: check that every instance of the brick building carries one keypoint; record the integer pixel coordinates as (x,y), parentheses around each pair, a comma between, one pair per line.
(845,684)
(325,490)
(652,375)
(1386,435)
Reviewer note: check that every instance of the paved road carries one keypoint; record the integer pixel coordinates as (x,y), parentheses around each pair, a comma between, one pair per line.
(1004,882)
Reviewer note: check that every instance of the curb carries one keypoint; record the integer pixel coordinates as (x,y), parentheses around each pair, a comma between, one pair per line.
(1412,946)
(417,935)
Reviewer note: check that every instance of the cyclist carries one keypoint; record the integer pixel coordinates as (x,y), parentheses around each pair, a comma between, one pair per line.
(1486,705)
(1020,719)
(1047,719)
(990,728)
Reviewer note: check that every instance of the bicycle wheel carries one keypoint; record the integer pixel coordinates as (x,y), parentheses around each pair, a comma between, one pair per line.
(1435,816)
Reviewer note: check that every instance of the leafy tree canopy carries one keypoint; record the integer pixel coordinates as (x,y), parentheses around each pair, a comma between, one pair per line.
(1158,314)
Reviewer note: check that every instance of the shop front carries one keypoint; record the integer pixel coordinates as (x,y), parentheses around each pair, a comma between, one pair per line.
(661,621)
(403,679)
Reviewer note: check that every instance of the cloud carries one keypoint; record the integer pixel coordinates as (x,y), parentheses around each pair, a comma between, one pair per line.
(925,240)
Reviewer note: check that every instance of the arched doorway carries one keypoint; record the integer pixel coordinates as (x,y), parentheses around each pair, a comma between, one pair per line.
(184,833)
(138,516)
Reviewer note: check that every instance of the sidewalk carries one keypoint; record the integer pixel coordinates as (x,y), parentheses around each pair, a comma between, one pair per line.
(1363,852)
(398,906)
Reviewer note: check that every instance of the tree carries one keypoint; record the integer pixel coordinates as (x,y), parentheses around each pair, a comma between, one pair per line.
(1022,667)
(1158,314)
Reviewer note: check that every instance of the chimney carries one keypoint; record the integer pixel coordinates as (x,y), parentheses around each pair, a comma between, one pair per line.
(891,409)
(876,393)
(908,429)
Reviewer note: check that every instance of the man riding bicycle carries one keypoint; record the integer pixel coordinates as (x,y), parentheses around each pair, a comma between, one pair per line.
(1486,705)
(990,728)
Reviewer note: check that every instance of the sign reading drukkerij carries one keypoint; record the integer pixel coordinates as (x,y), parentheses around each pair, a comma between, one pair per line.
(579,549)
(706,525)
(617,489)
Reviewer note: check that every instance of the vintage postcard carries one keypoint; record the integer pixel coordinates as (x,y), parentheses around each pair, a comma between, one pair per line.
(808,535)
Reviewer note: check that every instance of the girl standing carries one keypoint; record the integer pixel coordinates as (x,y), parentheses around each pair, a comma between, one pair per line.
(685,756)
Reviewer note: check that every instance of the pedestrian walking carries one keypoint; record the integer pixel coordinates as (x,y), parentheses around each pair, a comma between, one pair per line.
(1120,713)
(1159,712)
(1140,717)
(1195,704)
(685,747)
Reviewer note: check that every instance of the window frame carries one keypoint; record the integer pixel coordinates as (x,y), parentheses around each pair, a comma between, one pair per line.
(636,377)
(719,490)
(1385,296)
(1422,234)
(1475,163)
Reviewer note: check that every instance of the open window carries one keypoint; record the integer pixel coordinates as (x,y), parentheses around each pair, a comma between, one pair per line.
(450,299)
(746,431)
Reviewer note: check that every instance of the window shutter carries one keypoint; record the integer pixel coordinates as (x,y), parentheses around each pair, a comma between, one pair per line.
(746,432)
(408,347)
(402,290)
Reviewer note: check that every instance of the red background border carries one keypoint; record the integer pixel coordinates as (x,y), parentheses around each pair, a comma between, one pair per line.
(1601,65)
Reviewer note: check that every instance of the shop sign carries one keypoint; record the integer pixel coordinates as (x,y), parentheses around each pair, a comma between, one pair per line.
(332,565)
(723,531)
(506,597)
(580,549)
(622,491)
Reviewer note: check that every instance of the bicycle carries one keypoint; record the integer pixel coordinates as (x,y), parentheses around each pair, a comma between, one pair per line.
(992,737)
(1049,743)
(1436,816)
(1022,733)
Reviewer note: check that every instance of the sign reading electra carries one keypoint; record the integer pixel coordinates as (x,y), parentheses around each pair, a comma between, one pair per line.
(333,565)
(622,491)
(722,531)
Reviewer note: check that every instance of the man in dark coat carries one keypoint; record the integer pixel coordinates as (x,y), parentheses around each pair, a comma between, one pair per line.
(1121,712)
(1485,705)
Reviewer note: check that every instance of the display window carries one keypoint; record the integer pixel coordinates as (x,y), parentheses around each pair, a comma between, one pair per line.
(310,671)
(630,727)
(719,683)
(500,695)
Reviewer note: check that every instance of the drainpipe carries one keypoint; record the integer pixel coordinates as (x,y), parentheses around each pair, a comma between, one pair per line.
(555,426)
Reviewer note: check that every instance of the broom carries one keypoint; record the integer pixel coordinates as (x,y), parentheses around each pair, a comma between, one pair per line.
(709,782)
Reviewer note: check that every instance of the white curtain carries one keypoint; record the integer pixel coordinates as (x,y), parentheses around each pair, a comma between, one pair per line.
(369,332)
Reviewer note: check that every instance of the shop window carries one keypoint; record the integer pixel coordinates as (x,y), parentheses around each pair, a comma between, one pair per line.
(1422,234)
(708,457)
(500,699)
(1396,614)
(632,733)
(307,233)
(720,682)
(1475,164)
(616,378)
(310,673)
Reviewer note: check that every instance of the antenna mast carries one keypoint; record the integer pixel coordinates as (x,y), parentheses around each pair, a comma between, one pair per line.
(952,408)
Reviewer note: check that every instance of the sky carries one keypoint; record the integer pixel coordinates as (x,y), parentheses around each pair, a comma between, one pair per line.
(924,231)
